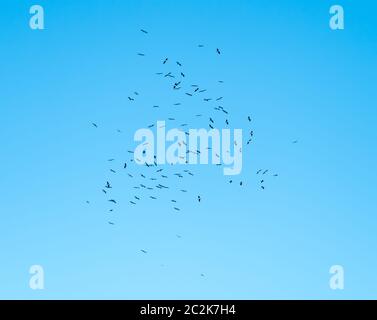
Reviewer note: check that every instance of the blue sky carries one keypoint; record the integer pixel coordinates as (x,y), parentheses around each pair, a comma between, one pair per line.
(280,63)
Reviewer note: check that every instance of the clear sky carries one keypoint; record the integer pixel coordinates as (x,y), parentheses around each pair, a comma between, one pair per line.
(280,63)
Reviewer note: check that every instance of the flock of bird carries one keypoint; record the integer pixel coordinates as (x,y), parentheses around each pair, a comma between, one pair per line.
(151,180)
